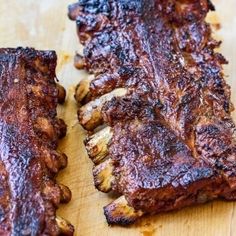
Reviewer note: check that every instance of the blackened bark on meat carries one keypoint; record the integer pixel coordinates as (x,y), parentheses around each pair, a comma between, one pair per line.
(173,141)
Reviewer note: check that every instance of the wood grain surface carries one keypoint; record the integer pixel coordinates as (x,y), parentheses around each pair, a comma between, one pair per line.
(44,25)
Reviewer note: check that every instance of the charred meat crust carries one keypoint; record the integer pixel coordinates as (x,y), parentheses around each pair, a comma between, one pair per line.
(29,133)
(173,141)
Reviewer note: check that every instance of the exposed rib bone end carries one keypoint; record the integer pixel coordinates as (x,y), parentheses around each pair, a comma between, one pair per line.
(82,89)
(61,94)
(79,62)
(103,177)
(90,115)
(97,145)
(55,161)
(120,213)
(65,228)
(65,193)
(90,123)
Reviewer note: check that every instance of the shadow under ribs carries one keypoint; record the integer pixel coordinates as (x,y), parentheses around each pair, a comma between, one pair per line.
(29,134)
(171,139)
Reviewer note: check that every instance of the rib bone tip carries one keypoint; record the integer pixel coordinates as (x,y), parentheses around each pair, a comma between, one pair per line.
(103,177)
(90,115)
(120,213)
(61,94)
(65,193)
(97,145)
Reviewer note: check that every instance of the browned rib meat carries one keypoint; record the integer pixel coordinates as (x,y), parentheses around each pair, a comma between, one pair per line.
(173,142)
(29,134)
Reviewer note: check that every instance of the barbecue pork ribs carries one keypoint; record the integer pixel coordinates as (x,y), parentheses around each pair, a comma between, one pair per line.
(29,133)
(157,84)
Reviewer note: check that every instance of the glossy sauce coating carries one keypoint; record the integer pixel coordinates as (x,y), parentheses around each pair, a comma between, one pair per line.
(29,194)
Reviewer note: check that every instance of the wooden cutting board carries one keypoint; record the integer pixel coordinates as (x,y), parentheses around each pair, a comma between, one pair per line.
(44,25)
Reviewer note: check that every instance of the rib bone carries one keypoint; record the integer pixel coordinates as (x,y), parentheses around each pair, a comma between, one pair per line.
(30,131)
(90,114)
(60,128)
(119,212)
(96,145)
(65,193)
(103,176)
(173,142)
(79,61)
(61,93)
(64,226)
(82,89)
(56,193)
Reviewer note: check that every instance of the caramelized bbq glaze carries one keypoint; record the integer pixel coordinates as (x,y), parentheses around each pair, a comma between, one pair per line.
(173,140)
(29,134)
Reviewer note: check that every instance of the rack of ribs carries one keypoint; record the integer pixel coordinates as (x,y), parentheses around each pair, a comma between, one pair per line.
(29,134)
(156,104)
